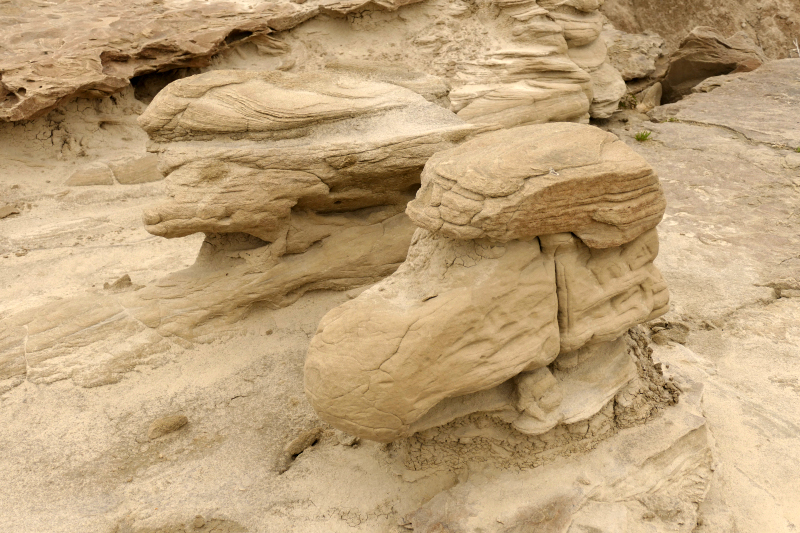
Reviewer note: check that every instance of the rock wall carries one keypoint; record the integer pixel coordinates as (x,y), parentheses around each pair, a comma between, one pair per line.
(772,24)
(500,62)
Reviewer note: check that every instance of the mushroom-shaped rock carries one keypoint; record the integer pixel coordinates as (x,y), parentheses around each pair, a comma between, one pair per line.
(537,180)
(537,243)
(457,317)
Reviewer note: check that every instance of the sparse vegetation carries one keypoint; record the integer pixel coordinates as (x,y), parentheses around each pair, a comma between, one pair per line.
(672,119)
(643,135)
(797,149)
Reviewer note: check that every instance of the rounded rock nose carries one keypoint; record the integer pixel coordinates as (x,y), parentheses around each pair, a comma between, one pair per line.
(150,217)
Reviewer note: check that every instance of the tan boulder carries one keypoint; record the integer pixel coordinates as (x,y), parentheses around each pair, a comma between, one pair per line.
(97,173)
(458,317)
(247,151)
(705,53)
(538,180)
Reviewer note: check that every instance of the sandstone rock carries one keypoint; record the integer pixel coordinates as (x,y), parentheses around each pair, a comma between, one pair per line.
(660,470)
(609,88)
(772,23)
(650,98)
(633,55)
(705,53)
(231,168)
(538,180)
(379,362)
(773,87)
(466,324)
(166,425)
(603,292)
(52,53)
(139,170)
(510,57)
(97,173)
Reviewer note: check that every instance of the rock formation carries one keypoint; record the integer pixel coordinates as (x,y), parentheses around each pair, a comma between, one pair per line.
(504,62)
(534,255)
(299,183)
(705,53)
(770,23)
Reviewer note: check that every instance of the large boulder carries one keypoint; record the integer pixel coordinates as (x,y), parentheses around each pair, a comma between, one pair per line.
(705,53)
(483,304)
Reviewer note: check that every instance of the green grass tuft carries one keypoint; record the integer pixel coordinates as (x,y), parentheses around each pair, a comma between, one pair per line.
(643,135)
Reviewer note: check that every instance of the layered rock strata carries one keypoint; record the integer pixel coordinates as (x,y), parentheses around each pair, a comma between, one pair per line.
(506,62)
(299,183)
(514,315)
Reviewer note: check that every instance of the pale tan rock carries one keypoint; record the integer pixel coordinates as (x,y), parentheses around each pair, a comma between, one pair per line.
(660,470)
(580,385)
(457,317)
(775,32)
(538,180)
(139,170)
(609,88)
(580,27)
(232,169)
(97,173)
(650,98)
(432,88)
(634,55)
(165,425)
(705,53)
(51,53)
(603,292)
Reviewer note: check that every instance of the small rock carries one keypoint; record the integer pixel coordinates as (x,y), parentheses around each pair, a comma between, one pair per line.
(199,522)
(165,425)
(97,173)
(139,170)
(345,439)
(120,285)
(8,210)
(650,98)
(305,440)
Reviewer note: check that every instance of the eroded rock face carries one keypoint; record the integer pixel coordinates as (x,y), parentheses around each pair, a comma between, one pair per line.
(603,292)
(500,62)
(705,53)
(249,151)
(457,318)
(555,178)
(471,321)
(298,181)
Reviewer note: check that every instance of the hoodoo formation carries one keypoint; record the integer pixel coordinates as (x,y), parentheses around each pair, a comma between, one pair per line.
(536,247)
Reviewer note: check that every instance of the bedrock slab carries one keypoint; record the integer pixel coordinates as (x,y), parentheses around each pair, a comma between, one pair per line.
(774,87)
(537,180)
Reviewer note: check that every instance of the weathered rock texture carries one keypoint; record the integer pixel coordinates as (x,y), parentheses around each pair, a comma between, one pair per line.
(299,183)
(705,53)
(633,55)
(502,62)
(54,52)
(647,478)
(472,319)
(772,24)
(773,88)
(554,178)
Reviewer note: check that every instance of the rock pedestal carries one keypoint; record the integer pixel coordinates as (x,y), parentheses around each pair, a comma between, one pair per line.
(534,256)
